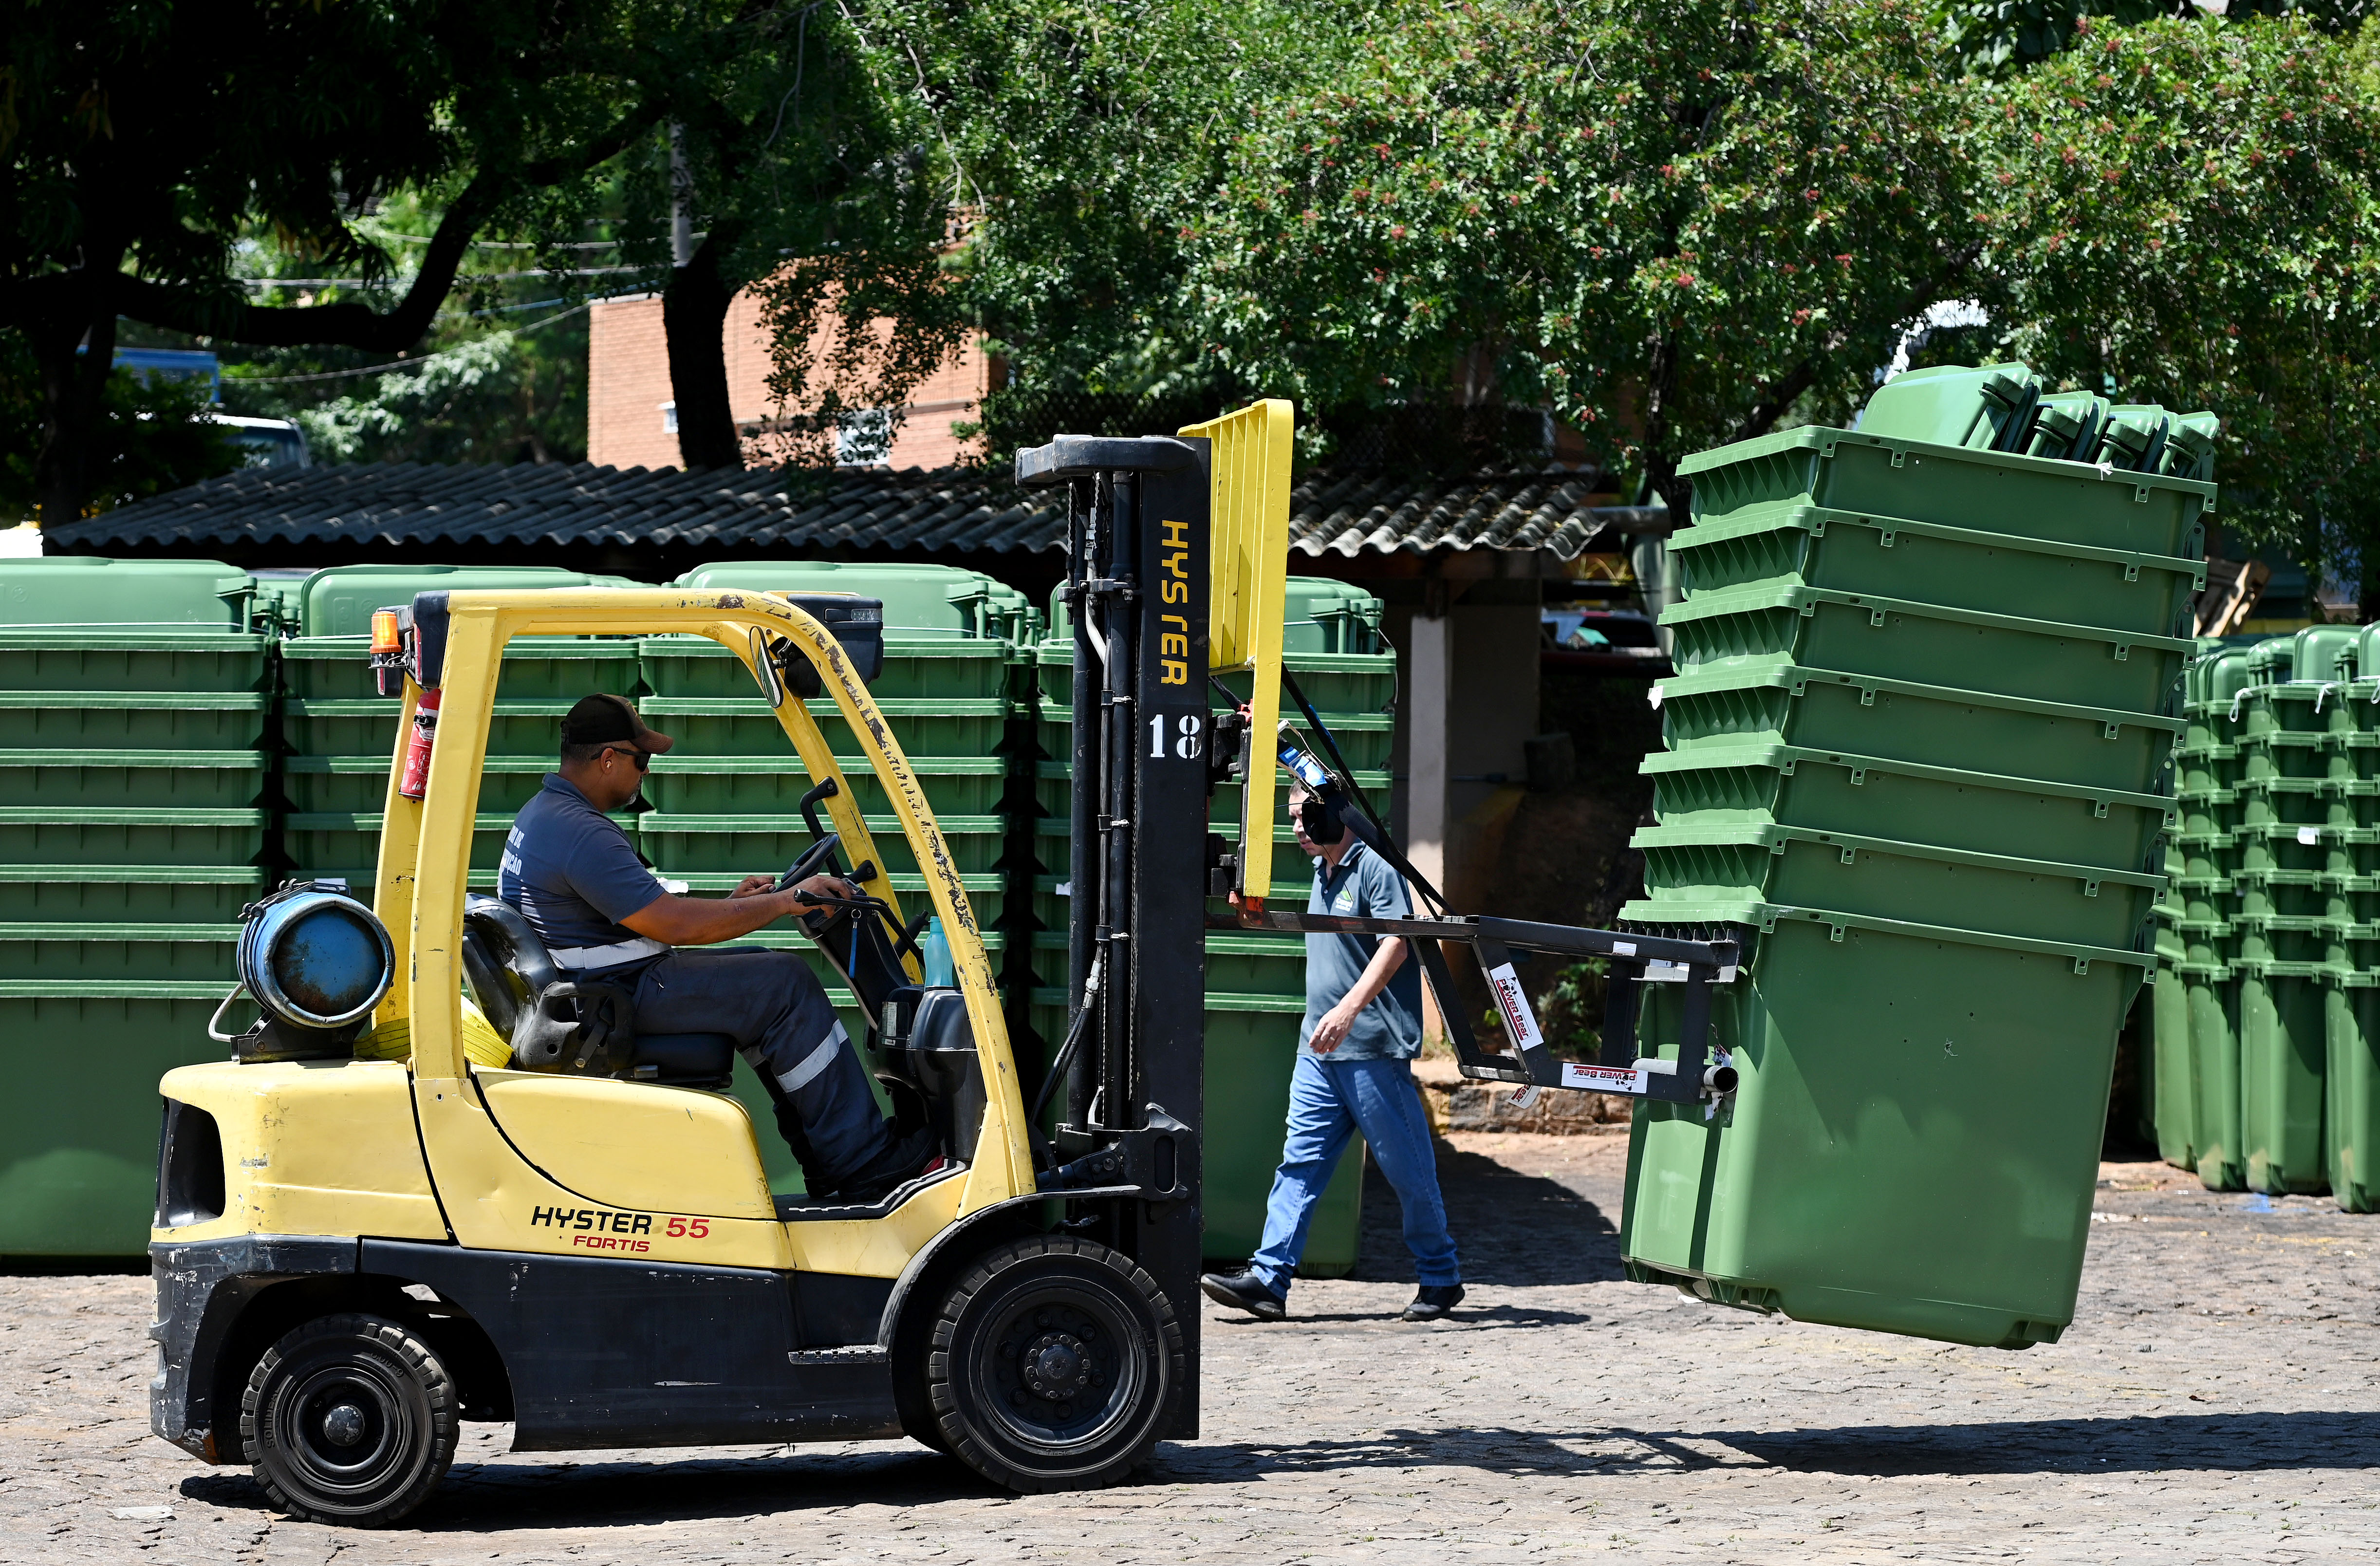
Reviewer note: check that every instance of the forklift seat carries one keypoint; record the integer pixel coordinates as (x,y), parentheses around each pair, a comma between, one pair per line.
(510,972)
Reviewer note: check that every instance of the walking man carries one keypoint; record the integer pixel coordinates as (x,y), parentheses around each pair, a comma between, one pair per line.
(1354,1073)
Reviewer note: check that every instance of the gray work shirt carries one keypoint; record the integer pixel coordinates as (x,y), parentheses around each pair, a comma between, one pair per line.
(1390,1028)
(574,875)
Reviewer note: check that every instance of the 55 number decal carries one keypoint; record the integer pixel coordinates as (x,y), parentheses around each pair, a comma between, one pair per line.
(689,1229)
(1189,736)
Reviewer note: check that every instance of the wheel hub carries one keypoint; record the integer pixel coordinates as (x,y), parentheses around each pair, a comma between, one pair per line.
(344,1425)
(1057,1366)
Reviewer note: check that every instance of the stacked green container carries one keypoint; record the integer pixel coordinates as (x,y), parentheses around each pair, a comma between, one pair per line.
(2193,966)
(726,800)
(2352,1065)
(1256,984)
(131,832)
(340,732)
(1916,742)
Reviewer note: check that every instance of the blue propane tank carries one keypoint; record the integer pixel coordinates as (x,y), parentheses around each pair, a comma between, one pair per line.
(317,962)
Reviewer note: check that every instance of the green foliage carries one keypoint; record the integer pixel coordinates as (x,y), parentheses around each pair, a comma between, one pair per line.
(152,436)
(2187,214)
(1672,222)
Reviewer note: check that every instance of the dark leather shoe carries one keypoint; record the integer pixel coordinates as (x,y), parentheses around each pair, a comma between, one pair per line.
(1244,1290)
(1433,1302)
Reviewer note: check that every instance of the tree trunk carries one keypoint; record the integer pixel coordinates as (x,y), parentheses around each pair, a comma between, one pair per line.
(694,320)
(72,385)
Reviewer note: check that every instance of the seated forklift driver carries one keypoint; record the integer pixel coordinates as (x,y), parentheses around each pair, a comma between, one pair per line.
(604,915)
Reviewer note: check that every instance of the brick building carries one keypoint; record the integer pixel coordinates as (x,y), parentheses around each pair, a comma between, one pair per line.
(631,416)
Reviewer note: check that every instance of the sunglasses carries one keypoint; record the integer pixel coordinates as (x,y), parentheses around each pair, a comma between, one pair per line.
(644,759)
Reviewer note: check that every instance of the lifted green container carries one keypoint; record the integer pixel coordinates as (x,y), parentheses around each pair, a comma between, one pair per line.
(1956,567)
(1987,492)
(79,1167)
(1885,878)
(1833,791)
(1915,1143)
(1907,720)
(1904,639)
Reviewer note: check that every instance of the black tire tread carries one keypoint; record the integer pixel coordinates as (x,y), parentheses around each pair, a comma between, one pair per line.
(437,1385)
(959,1438)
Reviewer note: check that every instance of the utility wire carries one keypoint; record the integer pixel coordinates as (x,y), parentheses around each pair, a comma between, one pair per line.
(398,366)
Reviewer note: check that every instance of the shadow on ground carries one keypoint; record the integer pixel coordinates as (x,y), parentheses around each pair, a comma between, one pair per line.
(1510,1230)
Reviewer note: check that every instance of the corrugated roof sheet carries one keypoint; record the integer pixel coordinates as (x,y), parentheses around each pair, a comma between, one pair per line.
(951,509)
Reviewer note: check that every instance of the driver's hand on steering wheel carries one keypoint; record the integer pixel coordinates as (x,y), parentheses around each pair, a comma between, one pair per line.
(817,887)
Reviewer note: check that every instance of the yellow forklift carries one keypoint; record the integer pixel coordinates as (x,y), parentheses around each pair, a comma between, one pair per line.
(535,1215)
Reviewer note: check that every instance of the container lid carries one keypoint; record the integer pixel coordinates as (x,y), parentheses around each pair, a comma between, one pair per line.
(97,594)
(1953,405)
(918,598)
(339,601)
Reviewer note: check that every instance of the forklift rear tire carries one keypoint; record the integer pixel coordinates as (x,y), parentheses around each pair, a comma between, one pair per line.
(349,1419)
(1056,1364)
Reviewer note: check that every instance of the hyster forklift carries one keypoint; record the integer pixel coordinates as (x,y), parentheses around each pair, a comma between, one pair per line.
(541,1217)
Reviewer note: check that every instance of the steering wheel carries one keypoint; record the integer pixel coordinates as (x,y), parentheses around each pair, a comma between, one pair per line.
(817,854)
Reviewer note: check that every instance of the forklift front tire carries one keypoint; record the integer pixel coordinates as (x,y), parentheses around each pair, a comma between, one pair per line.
(1056,1364)
(349,1420)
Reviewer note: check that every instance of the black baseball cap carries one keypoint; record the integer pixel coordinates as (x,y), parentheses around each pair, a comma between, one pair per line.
(609,720)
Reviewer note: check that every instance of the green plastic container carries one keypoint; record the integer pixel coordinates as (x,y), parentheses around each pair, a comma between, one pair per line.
(116,779)
(919,600)
(767,785)
(534,668)
(1883,878)
(1997,573)
(47,834)
(71,953)
(141,720)
(93,594)
(78,1167)
(118,894)
(2351,1088)
(1900,638)
(367,726)
(745,725)
(348,784)
(916,666)
(2215,986)
(56,658)
(1907,720)
(1915,1142)
(339,601)
(1251,1051)
(348,841)
(1954,404)
(1986,812)
(752,844)
(1986,491)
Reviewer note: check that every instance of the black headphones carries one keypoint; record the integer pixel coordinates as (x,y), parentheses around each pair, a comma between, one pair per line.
(1319,820)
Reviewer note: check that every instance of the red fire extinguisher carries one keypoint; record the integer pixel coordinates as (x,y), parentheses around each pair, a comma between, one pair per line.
(416,781)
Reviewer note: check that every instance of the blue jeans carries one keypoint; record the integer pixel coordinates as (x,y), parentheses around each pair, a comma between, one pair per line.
(774,1008)
(1329,1102)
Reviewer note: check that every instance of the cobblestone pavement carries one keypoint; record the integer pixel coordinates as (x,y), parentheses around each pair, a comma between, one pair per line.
(2213,1400)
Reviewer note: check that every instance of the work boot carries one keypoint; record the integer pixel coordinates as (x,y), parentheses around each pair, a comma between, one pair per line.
(1244,1290)
(1433,1302)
